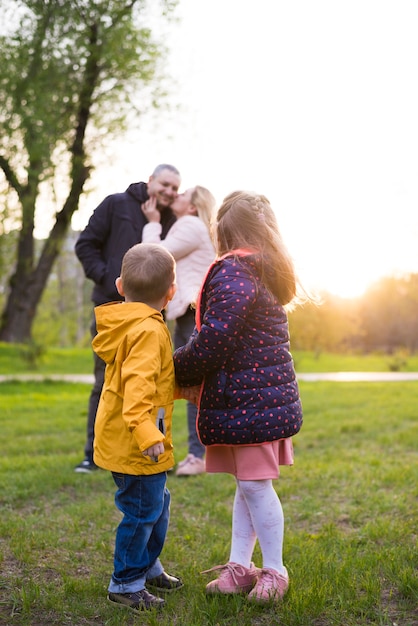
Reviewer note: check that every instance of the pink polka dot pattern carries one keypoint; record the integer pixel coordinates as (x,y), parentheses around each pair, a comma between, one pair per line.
(241,353)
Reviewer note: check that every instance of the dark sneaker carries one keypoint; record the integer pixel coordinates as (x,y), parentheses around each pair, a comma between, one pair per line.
(86,467)
(137,602)
(165,582)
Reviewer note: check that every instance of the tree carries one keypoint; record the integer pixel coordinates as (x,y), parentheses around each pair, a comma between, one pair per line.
(389,314)
(70,74)
(324,327)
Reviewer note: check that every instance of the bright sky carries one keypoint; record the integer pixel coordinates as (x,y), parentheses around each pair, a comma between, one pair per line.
(312,103)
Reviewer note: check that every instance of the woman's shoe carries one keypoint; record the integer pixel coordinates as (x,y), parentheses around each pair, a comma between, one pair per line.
(234,578)
(191,466)
(270,586)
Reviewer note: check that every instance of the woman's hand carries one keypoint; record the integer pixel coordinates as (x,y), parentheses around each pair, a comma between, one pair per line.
(149,209)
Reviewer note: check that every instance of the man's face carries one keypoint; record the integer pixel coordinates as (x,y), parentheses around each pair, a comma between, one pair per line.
(164,188)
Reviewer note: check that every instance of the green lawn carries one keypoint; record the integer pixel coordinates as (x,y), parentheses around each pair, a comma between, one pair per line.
(15,359)
(350,504)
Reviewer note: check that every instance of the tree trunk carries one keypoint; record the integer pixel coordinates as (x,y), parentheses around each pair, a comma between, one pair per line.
(27,286)
(18,315)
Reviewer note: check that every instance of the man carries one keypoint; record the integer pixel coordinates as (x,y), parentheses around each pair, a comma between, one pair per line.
(115,226)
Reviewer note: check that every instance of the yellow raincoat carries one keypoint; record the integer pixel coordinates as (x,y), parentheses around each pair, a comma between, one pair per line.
(136,405)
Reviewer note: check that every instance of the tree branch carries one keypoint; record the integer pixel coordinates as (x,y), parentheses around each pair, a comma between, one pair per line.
(11,176)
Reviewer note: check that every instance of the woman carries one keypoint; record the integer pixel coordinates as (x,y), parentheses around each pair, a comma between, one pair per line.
(189,241)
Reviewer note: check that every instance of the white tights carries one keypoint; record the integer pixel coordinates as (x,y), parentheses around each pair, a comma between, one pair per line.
(257,514)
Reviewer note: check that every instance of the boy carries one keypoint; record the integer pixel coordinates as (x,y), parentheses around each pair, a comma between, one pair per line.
(133,425)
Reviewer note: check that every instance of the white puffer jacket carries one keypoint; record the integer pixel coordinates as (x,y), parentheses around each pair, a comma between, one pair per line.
(189,242)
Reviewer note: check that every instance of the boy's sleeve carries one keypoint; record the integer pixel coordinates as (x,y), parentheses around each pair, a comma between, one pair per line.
(140,373)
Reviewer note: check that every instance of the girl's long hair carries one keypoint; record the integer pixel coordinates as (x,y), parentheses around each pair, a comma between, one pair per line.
(246,220)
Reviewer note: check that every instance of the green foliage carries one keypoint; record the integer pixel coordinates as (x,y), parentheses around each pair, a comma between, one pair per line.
(389,314)
(350,504)
(384,319)
(323,327)
(44,61)
(73,75)
(8,242)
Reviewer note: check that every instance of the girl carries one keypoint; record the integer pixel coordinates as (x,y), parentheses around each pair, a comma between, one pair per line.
(189,241)
(249,401)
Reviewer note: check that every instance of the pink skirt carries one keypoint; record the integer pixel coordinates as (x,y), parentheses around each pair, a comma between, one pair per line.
(259,462)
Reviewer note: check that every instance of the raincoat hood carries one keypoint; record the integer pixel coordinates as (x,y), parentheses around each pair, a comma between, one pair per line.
(114,321)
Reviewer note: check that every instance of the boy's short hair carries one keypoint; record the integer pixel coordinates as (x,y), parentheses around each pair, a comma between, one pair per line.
(148,271)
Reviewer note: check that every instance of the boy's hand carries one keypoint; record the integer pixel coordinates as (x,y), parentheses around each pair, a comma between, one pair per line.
(154,451)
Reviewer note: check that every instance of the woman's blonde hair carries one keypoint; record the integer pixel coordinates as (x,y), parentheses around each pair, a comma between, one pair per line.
(205,204)
(246,220)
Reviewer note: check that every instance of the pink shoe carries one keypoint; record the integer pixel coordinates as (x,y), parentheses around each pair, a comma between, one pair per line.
(191,466)
(234,578)
(271,586)
(184,461)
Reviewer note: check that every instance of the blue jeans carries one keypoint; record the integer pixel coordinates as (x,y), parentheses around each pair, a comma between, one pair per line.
(140,536)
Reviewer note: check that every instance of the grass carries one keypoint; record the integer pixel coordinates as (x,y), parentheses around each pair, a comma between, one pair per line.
(350,504)
(375,362)
(18,359)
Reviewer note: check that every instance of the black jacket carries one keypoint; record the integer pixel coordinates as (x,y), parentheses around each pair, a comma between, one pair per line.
(115,226)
